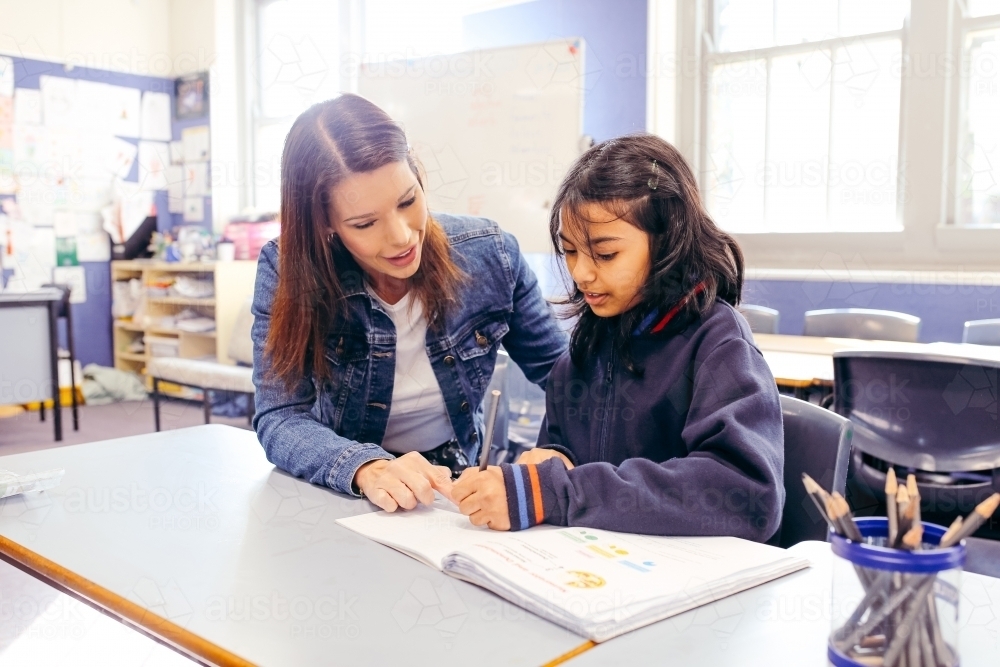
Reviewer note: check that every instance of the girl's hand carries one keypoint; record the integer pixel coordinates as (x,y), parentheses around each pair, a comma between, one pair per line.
(402,482)
(482,497)
(538,455)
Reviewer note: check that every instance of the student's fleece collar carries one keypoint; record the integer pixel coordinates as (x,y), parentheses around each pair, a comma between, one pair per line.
(644,326)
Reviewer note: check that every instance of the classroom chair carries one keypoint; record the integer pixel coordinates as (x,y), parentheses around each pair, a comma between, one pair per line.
(981,332)
(862,323)
(210,375)
(817,442)
(761,319)
(934,416)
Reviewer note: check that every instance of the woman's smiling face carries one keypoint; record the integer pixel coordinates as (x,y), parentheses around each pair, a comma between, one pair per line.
(611,269)
(381,218)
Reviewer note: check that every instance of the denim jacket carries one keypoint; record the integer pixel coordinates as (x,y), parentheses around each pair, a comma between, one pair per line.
(325,432)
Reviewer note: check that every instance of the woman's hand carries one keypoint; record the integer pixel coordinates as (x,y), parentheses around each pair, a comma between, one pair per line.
(402,482)
(538,455)
(481,496)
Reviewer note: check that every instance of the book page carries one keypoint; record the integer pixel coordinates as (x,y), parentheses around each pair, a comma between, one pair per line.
(587,572)
(425,533)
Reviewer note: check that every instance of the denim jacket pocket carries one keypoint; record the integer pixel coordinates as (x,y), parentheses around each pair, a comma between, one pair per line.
(348,356)
(477,347)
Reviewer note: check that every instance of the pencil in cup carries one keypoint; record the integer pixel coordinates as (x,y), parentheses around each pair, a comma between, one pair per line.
(897,621)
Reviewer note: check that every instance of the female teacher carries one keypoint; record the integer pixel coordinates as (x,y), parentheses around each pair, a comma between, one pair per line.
(377,324)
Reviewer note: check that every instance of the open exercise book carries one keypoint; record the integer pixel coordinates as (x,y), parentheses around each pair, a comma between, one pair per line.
(596,583)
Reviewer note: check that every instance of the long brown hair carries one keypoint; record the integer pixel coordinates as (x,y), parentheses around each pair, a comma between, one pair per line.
(327,143)
(646,182)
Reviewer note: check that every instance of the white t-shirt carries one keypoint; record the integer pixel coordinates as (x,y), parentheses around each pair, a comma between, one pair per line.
(418,417)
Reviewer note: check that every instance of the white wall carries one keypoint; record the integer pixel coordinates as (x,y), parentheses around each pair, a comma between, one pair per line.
(152,37)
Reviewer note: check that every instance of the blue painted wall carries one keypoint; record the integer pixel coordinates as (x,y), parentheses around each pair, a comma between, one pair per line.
(92,320)
(943,309)
(615,55)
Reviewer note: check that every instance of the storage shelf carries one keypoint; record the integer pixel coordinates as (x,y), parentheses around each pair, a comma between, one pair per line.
(132,356)
(131,326)
(181,301)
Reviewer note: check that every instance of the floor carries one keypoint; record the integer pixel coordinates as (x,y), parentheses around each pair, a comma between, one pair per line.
(25,433)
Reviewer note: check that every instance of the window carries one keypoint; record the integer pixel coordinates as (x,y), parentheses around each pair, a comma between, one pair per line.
(977,192)
(801,114)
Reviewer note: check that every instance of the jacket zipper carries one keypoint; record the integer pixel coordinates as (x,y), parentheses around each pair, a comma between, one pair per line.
(609,390)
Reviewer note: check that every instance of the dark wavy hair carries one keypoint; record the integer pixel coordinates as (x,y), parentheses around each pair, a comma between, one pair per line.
(645,181)
(327,143)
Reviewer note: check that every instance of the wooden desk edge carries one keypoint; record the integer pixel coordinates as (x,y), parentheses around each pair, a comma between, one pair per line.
(569,655)
(164,630)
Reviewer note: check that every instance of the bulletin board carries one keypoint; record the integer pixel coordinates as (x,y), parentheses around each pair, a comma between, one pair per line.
(85,156)
(496,129)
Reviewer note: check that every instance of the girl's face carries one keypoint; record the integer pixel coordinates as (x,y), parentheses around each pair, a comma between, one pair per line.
(381,218)
(610,279)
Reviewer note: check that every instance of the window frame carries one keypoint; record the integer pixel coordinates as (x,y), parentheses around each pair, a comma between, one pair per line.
(928,132)
(959,106)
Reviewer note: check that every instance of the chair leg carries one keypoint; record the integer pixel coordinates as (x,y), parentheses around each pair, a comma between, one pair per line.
(156,404)
(41,411)
(251,409)
(206,405)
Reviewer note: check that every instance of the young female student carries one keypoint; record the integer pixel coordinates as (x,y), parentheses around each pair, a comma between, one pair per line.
(663,417)
(377,324)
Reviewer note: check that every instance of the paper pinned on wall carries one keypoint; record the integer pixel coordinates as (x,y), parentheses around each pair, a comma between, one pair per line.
(156,117)
(59,101)
(196,179)
(28,106)
(33,259)
(175,189)
(93,247)
(76,278)
(64,223)
(194,209)
(6,110)
(176,152)
(30,144)
(134,204)
(121,157)
(66,251)
(6,76)
(196,144)
(94,108)
(125,106)
(154,158)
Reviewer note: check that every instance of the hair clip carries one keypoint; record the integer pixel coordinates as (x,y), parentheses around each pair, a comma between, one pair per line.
(654,180)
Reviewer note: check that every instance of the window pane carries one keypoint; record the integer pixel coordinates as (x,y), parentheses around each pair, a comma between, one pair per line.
(298,55)
(398,29)
(269,141)
(798,128)
(797,21)
(738,103)
(983,7)
(864,133)
(744,24)
(858,17)
(979,158)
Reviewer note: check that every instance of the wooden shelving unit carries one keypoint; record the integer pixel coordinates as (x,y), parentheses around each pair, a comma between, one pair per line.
(234,283)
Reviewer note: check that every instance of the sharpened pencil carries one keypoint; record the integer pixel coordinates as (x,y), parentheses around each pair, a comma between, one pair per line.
(976,518)
(891,487)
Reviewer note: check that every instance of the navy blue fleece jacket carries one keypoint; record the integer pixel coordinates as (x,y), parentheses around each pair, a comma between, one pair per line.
(693,447)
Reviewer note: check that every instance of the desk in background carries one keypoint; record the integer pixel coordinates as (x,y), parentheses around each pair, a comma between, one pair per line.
(29,350)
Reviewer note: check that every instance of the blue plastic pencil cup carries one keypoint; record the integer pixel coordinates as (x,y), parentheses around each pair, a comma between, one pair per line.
(891,606)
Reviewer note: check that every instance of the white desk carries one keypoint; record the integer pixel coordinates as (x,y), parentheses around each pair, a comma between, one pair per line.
(197,527)
(804,361)
(783,622)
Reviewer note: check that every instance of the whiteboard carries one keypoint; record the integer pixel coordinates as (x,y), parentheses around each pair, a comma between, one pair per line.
(496,130)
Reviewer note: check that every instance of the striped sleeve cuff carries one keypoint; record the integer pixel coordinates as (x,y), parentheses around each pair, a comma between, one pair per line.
(529,498)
